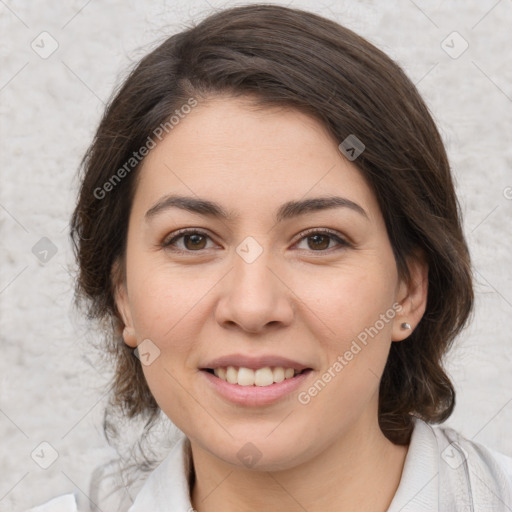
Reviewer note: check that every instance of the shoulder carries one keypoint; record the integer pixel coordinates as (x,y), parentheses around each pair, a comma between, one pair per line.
(166,488)
(471,469)
(63,503)
(446,472)
(470,452)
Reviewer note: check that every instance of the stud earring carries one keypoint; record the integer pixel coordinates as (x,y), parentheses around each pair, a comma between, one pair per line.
(405,326)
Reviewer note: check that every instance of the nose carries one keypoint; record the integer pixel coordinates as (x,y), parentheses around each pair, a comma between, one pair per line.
(255,296)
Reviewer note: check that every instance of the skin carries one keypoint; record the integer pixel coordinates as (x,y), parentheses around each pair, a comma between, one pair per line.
(295,300)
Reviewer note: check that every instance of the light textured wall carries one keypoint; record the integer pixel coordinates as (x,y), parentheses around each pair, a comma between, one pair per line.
(51,388)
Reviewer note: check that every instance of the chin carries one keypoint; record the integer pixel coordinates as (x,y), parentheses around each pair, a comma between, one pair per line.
(260,451)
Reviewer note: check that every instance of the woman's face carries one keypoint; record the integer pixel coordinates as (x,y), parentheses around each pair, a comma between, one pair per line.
(280,285)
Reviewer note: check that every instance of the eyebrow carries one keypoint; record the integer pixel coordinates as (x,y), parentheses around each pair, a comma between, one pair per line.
(286,211)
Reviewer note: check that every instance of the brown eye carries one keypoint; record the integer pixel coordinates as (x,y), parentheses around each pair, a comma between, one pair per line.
(196,241)
(193,241)
(320,240)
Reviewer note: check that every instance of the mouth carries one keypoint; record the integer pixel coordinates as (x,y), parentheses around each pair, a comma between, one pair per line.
(260,377)
(255,387)
(254,381)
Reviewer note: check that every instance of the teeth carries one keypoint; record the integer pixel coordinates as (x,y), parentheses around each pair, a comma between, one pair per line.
(248,377)
(245,377)
(278,374)
(262,376)
(231,375)
(221,373)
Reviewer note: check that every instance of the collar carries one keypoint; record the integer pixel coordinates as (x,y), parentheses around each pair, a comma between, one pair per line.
(418,487)
(167,487)
(442,472)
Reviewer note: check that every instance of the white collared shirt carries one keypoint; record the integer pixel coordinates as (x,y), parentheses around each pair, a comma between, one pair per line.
(443,472)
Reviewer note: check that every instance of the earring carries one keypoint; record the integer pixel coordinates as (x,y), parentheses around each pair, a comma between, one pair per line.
(405,326)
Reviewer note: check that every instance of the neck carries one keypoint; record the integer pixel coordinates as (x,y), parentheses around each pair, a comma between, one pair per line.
(360,471)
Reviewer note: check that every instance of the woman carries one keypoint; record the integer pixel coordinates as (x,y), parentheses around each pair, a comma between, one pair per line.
(267,215)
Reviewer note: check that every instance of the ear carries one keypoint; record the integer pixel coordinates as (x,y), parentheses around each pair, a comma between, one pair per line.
(412,297)
(123,304)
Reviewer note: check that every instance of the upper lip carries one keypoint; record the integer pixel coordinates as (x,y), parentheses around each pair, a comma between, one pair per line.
(240,360)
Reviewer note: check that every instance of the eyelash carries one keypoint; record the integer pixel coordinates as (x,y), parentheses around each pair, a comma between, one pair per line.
(304,235)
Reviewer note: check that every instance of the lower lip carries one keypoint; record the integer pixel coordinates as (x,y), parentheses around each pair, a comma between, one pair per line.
(255,395)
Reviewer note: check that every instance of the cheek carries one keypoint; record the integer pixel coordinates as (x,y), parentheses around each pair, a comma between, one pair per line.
(352,320)
(165,380)
(168,304)
(348,299)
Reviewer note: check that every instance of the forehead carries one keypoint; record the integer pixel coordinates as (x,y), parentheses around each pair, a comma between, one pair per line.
(247,159)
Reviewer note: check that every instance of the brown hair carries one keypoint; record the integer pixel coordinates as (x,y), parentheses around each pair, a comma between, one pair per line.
(288,57)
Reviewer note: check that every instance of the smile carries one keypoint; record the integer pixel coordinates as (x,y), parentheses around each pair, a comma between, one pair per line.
(254,377)
(254,388)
